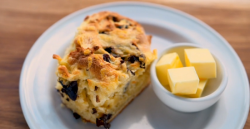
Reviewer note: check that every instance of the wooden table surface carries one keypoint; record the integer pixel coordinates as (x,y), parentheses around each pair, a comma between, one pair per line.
(23,21)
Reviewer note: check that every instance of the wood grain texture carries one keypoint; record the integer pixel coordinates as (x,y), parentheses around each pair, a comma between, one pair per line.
(23,21)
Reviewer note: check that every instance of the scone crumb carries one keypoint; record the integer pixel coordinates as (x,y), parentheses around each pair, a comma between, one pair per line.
(62,105)
(86,18)
(84,121)
(57,57)
(87,52)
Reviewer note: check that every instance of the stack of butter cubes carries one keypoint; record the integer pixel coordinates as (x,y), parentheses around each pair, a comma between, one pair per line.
(188,81)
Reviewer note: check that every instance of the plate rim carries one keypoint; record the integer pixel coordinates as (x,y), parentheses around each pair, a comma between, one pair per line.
(29,56)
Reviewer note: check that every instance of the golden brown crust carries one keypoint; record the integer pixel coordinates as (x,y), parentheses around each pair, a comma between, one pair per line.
(63,71)
(57,57)
(109,53)
(126,37)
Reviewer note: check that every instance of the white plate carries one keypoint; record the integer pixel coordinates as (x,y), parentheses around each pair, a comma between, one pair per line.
(41,103)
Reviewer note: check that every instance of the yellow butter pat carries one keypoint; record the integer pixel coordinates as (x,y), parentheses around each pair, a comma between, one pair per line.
(200,89)
(203,62)
(166,62)
(183,81)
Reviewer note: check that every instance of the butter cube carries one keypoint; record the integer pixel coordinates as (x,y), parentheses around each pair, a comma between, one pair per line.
(183,81)
(200,89)
(166,62)
(203,62)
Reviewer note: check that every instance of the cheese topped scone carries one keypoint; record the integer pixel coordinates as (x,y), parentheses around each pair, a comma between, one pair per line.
(105,67)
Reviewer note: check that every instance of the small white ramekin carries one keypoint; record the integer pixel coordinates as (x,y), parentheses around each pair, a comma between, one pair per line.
(212,92)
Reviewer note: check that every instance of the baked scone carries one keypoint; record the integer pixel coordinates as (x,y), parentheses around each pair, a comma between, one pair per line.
(106,66)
